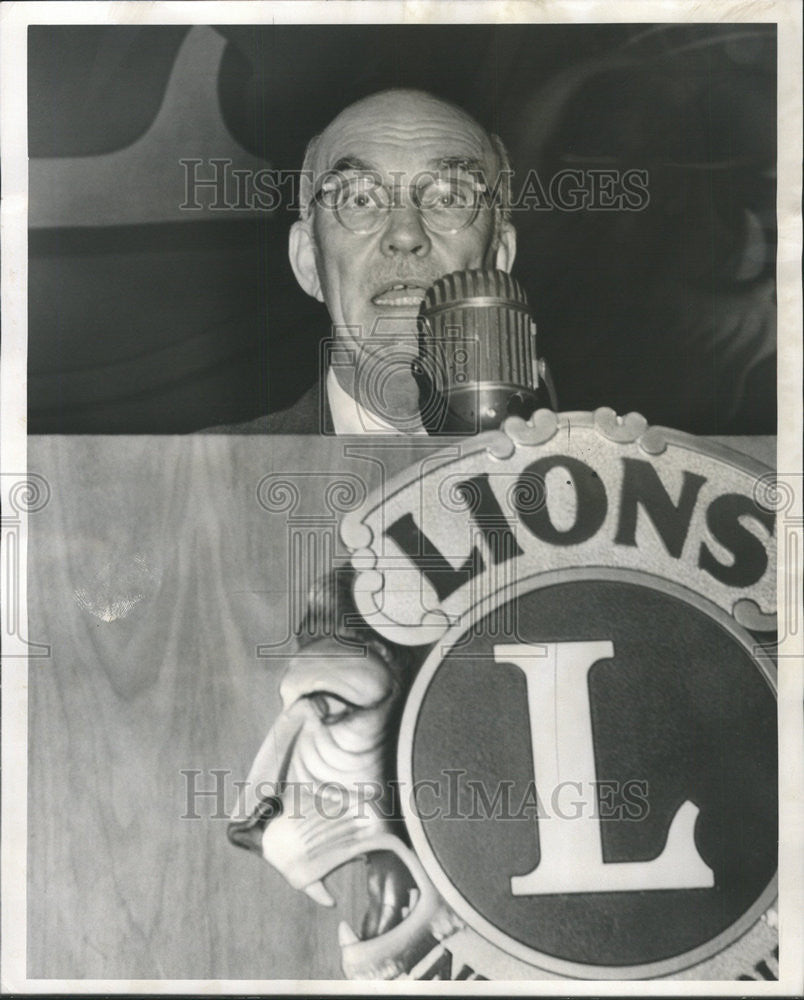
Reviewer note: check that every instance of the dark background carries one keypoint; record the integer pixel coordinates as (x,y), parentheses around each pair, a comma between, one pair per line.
(146,319)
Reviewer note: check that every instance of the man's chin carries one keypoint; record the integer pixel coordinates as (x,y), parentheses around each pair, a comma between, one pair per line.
(390,324)
(385,349)
(409,309)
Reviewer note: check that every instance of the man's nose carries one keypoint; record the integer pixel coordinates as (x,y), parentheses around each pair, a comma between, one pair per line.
(405,232)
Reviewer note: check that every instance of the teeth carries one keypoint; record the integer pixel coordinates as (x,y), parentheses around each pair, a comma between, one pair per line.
(399,300)
(395,295)
(318,892)
(413,898)
(346,935)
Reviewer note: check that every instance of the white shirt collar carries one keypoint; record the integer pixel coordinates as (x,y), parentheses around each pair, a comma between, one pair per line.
(349,417)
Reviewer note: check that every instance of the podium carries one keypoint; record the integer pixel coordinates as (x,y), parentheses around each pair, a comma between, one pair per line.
(163,575)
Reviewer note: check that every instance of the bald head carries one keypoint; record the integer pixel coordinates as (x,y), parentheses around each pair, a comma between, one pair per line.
(404,116)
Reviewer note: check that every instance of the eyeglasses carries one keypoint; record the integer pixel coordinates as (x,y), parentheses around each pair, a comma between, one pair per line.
(361,203)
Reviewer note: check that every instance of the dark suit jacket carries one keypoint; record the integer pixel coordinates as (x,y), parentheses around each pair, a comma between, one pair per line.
(308,415)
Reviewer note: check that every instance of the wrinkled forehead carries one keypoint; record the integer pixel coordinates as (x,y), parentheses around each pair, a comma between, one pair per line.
(404,132)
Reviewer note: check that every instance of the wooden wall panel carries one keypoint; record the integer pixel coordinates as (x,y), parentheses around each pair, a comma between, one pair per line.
(154,574)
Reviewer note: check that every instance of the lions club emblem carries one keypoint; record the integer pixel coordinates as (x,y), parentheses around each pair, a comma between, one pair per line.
(555,736)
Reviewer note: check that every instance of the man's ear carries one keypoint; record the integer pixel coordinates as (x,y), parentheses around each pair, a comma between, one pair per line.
(506,250)
(301,251)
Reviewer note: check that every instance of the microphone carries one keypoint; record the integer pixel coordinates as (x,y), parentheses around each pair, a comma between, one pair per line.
(477,360)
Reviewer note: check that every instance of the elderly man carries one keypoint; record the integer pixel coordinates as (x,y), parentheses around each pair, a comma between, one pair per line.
(396,194)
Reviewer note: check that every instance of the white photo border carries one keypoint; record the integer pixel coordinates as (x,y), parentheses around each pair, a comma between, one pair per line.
(14,21)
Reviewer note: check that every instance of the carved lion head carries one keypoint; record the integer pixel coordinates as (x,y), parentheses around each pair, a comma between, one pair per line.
(319,792)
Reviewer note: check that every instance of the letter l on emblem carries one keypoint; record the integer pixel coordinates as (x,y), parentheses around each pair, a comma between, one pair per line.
(563,750)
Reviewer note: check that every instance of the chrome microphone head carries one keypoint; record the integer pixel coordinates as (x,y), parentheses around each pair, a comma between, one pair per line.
(477,360)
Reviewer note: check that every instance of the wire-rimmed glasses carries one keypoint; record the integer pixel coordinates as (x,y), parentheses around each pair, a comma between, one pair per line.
(361,203)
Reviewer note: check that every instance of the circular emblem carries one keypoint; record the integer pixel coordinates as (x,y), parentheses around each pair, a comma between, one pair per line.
(589,760)
(565,630)
(588,753)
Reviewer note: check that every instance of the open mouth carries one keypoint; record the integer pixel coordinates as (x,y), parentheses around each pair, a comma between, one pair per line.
(400,294)
(391,893)
(391,913)
(403,922)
